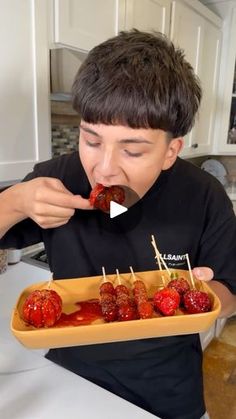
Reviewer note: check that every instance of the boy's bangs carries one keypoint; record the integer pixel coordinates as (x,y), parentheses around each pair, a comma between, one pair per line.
(121,107)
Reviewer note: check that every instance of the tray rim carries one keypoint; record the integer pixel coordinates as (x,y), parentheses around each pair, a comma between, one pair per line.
(96,326)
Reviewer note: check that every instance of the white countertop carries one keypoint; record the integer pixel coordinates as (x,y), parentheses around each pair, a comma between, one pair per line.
(32,387)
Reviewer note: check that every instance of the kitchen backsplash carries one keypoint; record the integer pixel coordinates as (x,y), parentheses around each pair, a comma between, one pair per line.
(64,138)
(65,128)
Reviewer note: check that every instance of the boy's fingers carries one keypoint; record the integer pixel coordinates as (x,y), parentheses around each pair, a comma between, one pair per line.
(82,203)
(203,273)
(65,200)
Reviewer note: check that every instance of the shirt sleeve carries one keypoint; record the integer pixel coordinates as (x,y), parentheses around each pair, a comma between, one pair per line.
(27,232)
(218,242)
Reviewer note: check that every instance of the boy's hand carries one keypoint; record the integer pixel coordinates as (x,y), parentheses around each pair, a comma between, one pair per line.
(48,202)
(203,273)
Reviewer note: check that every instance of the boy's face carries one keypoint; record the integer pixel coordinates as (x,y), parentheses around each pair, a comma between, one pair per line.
(119,155)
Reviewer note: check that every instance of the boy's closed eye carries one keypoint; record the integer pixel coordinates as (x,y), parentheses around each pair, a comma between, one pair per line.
(133,154)
(92,143)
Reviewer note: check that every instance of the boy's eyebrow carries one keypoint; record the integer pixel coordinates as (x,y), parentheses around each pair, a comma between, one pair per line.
(86,129)
(136,140)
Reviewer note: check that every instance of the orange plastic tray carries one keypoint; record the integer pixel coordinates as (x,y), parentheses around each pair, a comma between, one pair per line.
(74,290)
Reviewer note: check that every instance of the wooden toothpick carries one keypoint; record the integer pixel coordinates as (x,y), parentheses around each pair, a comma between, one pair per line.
(158,255)
(118,276)
(190,271)
(50,281)
(104,274)
(161,270)
(132,272)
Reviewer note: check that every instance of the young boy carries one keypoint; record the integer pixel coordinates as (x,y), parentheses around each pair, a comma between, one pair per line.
(137,97)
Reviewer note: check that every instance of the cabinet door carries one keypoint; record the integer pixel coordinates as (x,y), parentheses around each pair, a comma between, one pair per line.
(83,24)
(186,33)
(196,30)
(24,85)
(148,15)
(225,129)
(208,74)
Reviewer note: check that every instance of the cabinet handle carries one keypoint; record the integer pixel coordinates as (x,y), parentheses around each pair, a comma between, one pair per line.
(195,145)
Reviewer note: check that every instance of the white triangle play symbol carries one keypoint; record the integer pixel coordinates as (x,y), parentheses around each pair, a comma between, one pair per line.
(116,209)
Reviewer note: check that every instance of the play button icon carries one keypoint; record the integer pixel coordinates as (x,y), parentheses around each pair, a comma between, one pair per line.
(116,209)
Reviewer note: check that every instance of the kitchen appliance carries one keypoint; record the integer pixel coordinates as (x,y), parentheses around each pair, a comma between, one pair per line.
(37,258)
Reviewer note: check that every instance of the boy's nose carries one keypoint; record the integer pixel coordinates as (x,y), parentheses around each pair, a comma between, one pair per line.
(107,167)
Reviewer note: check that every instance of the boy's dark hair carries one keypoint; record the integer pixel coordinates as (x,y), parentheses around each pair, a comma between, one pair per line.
(140,80)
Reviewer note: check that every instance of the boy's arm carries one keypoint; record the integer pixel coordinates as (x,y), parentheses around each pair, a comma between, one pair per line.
(9,209)
(45,200)
(227,299)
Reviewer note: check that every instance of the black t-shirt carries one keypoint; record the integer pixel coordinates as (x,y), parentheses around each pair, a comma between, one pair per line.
(187,211)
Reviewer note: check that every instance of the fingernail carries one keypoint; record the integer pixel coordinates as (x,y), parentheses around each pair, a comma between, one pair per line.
(198,273)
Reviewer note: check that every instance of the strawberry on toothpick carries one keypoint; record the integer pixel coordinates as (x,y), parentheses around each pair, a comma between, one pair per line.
(106,286)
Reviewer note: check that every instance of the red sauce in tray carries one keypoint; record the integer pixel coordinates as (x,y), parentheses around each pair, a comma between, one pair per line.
(88,312)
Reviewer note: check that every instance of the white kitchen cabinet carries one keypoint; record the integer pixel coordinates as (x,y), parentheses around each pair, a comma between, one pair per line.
(148,15)
(196,30)
(226,104)
(83,24)
(209,76)
(192,26)
(24,85)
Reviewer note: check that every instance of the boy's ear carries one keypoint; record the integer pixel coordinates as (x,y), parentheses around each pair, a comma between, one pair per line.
(174,148)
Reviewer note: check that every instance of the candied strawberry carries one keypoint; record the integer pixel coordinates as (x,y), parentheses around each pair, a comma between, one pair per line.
(42,308)
(127,312)
(107,297)
(101,196)
(168,306)
(118,194)
(107,288)
(98,189)
(196,302)
(181,285)
(166,301)
(139,292)
(121,289)
(103,200)
(145,310)
(109,311)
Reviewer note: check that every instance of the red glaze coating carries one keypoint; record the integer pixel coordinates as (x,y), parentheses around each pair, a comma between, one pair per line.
(145,310)
(127,312)
(181,285)
(144,307)
(101,196)
(166,301)
(196,302)
(42,308)
(108,302)
(107,288)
